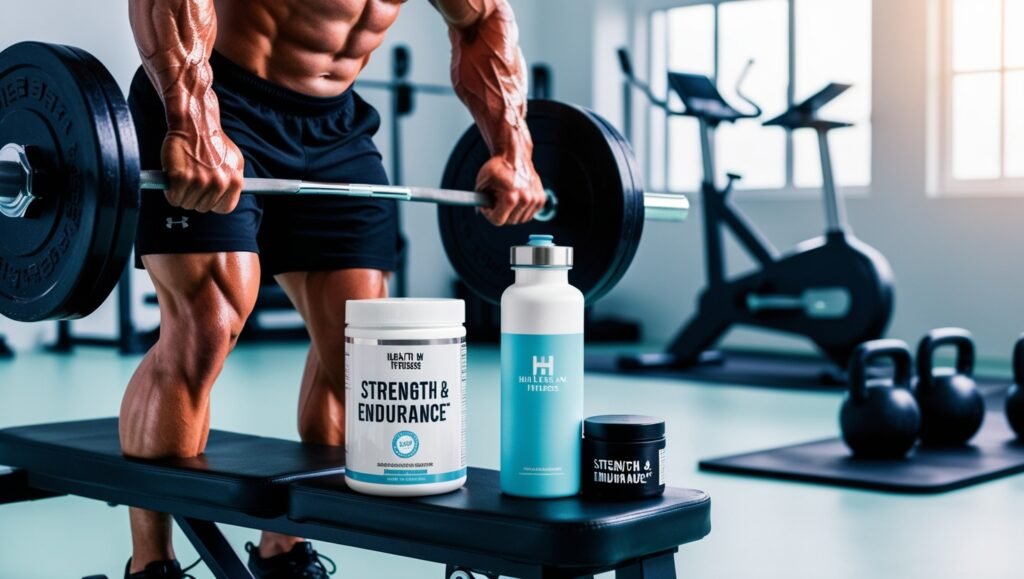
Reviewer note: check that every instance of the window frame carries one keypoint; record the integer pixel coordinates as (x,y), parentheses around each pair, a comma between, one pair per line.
(788,191)
(942,183)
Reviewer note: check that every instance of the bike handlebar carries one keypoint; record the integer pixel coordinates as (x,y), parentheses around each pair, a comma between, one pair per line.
(626,65)
(739,91)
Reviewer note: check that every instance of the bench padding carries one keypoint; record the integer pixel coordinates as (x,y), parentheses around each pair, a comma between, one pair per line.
(561,532)
(302,485)
(239,472)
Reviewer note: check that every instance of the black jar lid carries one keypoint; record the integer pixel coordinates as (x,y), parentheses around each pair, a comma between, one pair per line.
(624,428)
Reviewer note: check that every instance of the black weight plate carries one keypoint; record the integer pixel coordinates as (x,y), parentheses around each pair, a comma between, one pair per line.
(128,192)
(597,200)
(50,103)
(94,289)
(634,203)
(104,187)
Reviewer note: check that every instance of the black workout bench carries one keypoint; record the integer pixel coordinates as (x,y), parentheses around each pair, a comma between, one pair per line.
(299,489)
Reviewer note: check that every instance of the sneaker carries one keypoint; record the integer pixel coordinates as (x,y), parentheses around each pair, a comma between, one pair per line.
(302,562)
(160,570)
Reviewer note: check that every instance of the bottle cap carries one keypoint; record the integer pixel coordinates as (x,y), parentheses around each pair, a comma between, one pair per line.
(624,428)
(541,251)
(405,312)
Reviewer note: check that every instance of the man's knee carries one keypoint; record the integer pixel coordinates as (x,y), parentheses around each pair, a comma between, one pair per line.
(214,329)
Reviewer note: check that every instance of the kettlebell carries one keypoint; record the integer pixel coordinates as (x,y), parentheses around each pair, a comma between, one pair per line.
(1015,397)
(952,408)
(879,417)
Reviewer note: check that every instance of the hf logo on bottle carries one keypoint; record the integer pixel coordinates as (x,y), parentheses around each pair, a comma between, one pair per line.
(543,377)
(543,366)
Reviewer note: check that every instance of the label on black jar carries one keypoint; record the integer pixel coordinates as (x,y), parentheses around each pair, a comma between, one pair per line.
(624,471)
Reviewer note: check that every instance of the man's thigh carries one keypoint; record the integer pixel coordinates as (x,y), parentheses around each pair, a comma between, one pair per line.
(320,298)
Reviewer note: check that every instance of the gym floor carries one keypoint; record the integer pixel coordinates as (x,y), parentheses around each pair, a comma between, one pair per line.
(761,528)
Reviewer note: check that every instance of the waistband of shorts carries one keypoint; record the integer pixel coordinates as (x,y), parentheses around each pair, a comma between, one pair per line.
(235,78)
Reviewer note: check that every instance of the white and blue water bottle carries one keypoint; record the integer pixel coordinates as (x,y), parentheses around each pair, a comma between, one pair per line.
(541,374)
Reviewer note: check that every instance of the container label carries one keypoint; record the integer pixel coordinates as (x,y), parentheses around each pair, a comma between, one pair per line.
(541,413)
(661,467)
(622,471)
(405,402)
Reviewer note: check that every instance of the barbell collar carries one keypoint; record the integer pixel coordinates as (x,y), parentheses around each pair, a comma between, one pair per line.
(12,178)
(666,207)
(15,181)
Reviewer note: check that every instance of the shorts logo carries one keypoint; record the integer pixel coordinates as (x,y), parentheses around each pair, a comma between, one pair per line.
(183,222)
(405,444)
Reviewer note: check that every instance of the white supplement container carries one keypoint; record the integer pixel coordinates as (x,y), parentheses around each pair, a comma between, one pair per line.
(405,396)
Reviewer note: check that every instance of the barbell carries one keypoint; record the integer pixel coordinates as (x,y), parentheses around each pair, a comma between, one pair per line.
(16,191)
(70,182)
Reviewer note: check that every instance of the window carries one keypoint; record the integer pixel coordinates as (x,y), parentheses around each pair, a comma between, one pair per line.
(980,91)
(798,46)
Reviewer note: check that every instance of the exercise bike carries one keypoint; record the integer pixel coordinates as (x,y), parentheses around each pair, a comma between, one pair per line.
(834,290)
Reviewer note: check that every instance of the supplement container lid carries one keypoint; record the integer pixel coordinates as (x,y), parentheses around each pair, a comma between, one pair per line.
(541,251)
(403,312)
(624,428)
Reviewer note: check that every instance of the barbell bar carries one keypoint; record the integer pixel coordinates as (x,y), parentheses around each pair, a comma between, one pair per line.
(657,206)
(17,194)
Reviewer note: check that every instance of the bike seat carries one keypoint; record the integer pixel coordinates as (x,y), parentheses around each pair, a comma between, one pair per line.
(804,115)
(702,99)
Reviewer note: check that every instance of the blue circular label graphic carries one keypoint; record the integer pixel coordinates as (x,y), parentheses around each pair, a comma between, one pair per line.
(405,444)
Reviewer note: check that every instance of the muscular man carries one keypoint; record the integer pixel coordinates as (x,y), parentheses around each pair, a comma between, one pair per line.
(262,88)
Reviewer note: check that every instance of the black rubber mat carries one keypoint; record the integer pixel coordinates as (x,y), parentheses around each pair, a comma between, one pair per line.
(770,370)
(992,454)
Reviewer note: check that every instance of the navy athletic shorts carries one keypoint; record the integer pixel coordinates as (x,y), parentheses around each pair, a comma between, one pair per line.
(286,135)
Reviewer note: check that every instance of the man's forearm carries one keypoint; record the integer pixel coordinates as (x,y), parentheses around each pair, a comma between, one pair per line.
(175,39)
(489,75)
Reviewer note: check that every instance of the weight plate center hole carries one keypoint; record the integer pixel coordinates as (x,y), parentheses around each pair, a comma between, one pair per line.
(550,207)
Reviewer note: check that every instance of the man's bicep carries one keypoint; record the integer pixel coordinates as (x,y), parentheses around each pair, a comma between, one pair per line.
(464,13)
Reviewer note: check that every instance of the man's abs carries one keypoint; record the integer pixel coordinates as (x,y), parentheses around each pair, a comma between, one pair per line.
(315,47)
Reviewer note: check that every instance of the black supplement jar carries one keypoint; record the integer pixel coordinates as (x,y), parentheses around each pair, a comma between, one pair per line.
(623,457)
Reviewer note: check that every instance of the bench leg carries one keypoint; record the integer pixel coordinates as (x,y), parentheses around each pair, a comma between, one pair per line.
(661,566)
(218,555)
